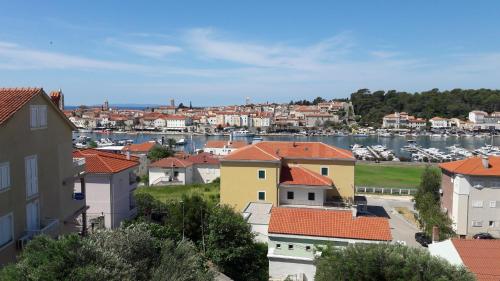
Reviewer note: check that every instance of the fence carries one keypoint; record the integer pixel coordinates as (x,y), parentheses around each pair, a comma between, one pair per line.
(386,190)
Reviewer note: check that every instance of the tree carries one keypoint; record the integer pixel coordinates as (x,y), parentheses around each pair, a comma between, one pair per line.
(159,152)
(318,100)
(428,205)
(92,144)
(385,262)
(231,247)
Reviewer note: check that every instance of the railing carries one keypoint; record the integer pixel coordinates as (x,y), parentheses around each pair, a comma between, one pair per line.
(386,190)
(168,180)
(47,227)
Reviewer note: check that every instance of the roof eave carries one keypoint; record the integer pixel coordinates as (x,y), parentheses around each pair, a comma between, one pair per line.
(321,159)
(325,187)
(247,161)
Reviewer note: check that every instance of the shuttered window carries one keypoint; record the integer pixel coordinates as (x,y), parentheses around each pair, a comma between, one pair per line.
(6,225)
(38,116)
(4,175)
(31,167)
(33,216)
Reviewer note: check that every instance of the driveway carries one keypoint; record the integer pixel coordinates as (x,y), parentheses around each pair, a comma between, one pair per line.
(402,230)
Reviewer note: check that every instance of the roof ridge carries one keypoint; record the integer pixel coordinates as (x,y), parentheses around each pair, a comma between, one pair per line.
(275,157)
(341,151)
(316,175)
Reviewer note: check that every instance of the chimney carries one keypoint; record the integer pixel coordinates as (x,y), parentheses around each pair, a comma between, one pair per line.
(354,211)
(128,155)
(485,161)
(435,234)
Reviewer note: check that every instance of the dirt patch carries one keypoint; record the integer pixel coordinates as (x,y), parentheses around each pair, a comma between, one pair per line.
(407,214)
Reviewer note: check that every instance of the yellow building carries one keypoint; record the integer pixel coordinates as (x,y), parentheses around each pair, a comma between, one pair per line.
(37,171)
(287,173)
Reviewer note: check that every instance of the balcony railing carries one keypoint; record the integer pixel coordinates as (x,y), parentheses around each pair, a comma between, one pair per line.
(48,227)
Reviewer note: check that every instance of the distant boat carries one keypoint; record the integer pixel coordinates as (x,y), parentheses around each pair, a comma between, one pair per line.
(359,135)
(242,133)
(181,142)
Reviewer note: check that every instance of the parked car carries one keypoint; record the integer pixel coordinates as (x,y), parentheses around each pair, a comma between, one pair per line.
(483,235)
(422,239)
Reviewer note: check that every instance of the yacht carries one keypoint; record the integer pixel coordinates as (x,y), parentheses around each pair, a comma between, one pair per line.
(181,142)
(105,142)
(242,133)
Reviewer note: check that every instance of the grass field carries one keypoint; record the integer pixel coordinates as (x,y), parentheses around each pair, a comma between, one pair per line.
(388,176)
(174,193)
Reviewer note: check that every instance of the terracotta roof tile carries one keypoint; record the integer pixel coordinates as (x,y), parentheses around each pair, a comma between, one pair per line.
(141,147)
(221,144)
(104,162)
(328,223)
(480,256)
(296,175)
(473,166)
(13,99)
(171,162)
(203,158)
(275,150)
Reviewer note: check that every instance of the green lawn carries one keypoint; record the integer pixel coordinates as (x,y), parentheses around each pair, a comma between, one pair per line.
(388,176)
(174,193)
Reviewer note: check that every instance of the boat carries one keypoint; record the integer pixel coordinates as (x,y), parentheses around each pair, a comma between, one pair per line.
(242,133)
(181,142)
(104,142)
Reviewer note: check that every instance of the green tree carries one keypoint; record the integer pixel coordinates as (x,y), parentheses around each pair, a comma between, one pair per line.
(92,144)
(159,152)
(379,262)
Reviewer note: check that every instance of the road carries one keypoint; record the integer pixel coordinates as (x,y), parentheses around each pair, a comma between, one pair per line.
(402,230)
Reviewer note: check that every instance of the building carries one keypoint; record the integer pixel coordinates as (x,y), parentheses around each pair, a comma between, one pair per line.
(319,119)
(484,121)
(470,195)
(110,182)
(439,123)
(311,173)
(223,148)
(170,171)
(295,234)
(480,256)
(141,151)
(400,120)
(206,167)
(37,171)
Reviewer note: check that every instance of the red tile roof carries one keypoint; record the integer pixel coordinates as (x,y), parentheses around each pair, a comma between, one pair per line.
(221,144)
(473,166)
(480,256)
(203,158)
(296,175)
(101,162)
(171,162)
(275,150)
(13,99)
(141,147)
(328,223)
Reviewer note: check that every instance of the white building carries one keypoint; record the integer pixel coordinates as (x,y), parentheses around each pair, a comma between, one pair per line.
(170,171)
(439,123)
(110,182)
(177,122)
(485,121)
(223,148)
(206,167)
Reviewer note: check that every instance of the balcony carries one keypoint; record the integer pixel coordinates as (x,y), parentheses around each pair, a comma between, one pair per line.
(78,166)
(48,227)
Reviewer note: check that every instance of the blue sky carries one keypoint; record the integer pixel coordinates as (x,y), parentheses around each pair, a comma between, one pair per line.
(219,52)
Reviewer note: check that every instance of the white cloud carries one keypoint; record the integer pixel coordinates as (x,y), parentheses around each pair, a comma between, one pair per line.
(156,51)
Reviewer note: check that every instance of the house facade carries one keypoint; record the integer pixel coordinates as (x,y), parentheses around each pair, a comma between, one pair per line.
(439,123)
(296,236)
(170,171)
(312,173)
(223,148)
(37,171)
(206,167)
(470,195)
(110,182)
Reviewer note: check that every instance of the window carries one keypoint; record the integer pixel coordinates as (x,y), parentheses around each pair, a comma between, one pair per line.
(4,175)
(262,174)
(278,246)
(477,204)
(31,170)
(131,200)
(308,248)
(38,116)
(289,195)
(6,227)
(492,223)
(311,196)
(290,247)
(477,223)
(324,171)
(33,216)
(493,204)
(262,195)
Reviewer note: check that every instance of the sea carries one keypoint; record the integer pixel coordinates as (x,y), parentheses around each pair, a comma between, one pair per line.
(394,143)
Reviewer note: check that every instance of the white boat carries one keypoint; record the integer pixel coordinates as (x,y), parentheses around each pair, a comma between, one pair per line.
(181,142)
(242,133)
(105,142)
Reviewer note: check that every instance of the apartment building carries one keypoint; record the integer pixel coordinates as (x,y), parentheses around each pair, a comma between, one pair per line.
(296,235)
(470,195)
(37,171)
(223,148)
(110,182)
(439,123)
(279,173)
(483,121)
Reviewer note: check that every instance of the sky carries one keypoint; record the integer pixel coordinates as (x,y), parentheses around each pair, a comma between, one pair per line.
(220,52)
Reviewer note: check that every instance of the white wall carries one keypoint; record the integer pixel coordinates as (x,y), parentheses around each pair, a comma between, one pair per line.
(301,196)
(205,173)
(185,175)
(120,194)
(97,195)
(281,268)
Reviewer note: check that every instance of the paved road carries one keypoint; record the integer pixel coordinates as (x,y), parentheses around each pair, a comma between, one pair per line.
(401,229)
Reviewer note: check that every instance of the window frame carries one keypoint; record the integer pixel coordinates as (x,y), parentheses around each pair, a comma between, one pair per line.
(8,243)
(290,247)
(258,195)
(313,196)
(288,193)
(38,116)
(477,204)
(493,204)
(258,174)
(327,171)
(29,187)
(5,165)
